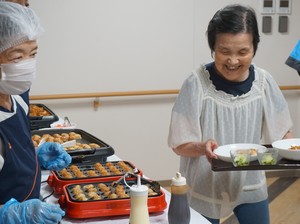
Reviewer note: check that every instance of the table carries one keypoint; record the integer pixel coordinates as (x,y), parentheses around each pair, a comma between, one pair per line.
(155,218)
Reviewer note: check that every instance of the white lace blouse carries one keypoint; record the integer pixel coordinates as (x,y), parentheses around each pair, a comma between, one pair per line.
(201,112)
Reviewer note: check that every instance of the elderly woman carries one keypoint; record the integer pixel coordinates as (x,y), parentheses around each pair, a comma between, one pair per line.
(227,101)
(19,161)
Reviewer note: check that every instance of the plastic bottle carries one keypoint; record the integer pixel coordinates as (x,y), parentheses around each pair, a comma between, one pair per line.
(139,213)
(179,210)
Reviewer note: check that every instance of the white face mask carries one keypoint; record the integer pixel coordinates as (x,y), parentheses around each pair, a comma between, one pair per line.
(16,78)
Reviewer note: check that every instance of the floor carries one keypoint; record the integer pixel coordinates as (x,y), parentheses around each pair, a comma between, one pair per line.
(285,207)
(284,197)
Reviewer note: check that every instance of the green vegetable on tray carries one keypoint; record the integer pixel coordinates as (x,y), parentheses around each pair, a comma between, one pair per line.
(241,160)
(268,160)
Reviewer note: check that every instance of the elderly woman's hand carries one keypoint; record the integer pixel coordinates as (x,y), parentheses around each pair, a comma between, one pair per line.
(196,149)
(210,146)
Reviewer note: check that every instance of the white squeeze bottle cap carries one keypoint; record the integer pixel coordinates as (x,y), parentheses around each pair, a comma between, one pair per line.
(139,189)
(178,180)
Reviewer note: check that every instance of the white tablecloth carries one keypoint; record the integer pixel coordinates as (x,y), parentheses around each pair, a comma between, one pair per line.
(161,218)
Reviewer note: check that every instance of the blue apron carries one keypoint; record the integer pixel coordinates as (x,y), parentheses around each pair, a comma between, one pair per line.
(20,176)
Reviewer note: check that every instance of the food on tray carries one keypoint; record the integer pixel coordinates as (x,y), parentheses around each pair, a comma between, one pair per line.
(294,147)
(74,168)
(241,157)
(101,169)
(288,148)
(87,187)
(36,138)
(102,191)
(94,145)
(66,174)
(268,160)
(62,138)
(112,196)
(99,166)
(96,170)
(100,205)
(94,196)
(79,193)
(267,156)
(103,187)
(241,160)
(92,173)
(81,197)
(79,174)
(115,170)
(223,152)
(253,152)
(35,110)
(77,190)
(82,146)
(124,166)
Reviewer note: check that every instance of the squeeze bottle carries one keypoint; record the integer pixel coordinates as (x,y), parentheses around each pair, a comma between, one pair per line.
(179,210)
(139,203)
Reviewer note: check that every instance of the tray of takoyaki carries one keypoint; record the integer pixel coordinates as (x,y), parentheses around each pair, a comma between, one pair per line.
(85,147)
(107,198)
(86,172)
(41,116)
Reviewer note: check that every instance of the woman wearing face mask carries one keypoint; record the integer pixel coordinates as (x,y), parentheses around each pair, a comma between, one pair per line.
(228,101)
(20,176)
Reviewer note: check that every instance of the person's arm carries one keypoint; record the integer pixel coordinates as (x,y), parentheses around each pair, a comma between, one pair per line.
(32,211)
(53,156)
(277,119)
(196,149)
(289,134)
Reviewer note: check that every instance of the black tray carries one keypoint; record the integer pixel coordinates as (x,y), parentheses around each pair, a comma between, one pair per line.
(38,122)
(219,165)
(83,155)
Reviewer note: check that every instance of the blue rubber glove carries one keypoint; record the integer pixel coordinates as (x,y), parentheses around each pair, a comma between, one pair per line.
(53,156)
(32,211)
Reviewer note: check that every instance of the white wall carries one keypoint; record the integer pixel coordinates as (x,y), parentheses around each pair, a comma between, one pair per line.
(117,45)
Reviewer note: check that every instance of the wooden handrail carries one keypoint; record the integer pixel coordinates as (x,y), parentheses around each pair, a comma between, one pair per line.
(96,102)
(125,93)
(289,87)
(104,94)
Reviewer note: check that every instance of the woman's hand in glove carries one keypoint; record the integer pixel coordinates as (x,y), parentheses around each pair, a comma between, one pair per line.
(32,211)
(52,156)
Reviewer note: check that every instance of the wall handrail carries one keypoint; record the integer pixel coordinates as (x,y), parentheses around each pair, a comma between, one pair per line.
(297,87)
(124,93)
(104,94)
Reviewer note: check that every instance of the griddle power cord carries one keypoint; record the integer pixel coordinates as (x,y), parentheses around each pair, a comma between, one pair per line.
(48,196)
(44,199)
